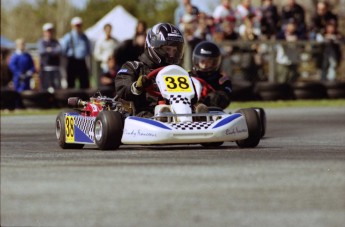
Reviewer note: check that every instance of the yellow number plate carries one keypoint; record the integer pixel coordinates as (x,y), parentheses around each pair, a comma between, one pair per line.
(69,125)
(177,84)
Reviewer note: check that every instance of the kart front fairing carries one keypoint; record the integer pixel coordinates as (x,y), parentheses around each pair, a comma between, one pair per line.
(179,88)
(230,127)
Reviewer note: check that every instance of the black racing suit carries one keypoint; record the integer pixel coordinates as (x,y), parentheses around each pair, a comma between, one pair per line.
(127,75)
(219,93)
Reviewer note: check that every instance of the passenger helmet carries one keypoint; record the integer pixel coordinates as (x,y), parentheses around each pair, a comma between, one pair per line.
(206,57)
(164,34)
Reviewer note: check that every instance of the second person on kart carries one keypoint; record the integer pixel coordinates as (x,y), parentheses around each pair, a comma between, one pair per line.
(217,88)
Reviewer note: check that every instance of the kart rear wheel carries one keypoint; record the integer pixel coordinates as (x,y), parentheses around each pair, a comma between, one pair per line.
(262,116)
(108,130)
(254,128)
(60,130)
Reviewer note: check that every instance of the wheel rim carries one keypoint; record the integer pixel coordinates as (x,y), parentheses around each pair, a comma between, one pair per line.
(58,129)
(98,130)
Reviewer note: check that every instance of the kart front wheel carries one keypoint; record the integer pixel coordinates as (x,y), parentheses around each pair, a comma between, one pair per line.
(108,129)
(254,128)
(60,131)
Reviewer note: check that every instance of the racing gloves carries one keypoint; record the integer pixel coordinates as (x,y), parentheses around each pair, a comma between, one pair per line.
(142,82)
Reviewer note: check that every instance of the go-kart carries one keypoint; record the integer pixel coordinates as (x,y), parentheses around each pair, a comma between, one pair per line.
(111,122)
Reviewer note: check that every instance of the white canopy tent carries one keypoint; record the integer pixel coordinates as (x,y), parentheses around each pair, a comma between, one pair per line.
(6,43)
(122,22)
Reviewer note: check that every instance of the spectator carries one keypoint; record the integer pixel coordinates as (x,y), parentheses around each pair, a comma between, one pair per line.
(6,74)
(203,31)
(294,12)
(190,29)
(269,19)
(105,47)
(288,55)
(22,67)
(107,79)
(191,40)
(228,30)
(211,25)
(181,10)
(229,33)
(76,47)
(250,63)
(243,10)
(188,19)
(50,52)
(321,17)
(247,30)
(331,50)
(164,46)
(129,50)
(223,11)
(141,28)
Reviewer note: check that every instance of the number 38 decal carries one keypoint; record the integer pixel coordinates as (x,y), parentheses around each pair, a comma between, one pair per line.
(69,125)
(177,84)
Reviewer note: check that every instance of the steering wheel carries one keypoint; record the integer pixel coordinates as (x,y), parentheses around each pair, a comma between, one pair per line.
(151,89)
(206,88)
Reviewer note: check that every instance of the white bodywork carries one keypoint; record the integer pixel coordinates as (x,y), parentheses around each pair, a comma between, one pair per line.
(148,131)
(179,88)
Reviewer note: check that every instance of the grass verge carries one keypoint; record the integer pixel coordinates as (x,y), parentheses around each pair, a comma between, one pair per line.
(293,103)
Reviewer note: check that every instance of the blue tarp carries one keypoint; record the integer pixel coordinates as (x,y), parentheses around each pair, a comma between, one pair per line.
(6,43)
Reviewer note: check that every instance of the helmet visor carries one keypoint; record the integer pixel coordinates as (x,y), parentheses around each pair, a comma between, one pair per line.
(172,52)
(206,64)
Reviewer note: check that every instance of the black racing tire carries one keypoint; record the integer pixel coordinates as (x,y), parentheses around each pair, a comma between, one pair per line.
(38,99)
(263,120)
(108,130)
(60,131)
(212,145)
(254,128)
(309,90)
(269,91)
(242,91)
(10,99)
(335,89)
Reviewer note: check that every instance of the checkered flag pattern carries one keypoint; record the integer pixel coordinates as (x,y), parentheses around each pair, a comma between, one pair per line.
(191,125)
(85,124)
(179,99)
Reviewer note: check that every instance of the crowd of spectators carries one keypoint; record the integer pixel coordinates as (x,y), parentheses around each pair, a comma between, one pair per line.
(243,22)
(74,47)
(246,22)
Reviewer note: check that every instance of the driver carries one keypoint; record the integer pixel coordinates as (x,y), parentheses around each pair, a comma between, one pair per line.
(164,46)
(217,88)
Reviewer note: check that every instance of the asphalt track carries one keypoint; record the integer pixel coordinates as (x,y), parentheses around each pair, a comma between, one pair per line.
(295,177)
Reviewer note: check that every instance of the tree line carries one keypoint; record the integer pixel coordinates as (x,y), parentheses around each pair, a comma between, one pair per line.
(26,19)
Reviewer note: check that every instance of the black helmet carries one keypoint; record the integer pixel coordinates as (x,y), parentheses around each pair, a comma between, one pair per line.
(206,57)
(164,34)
